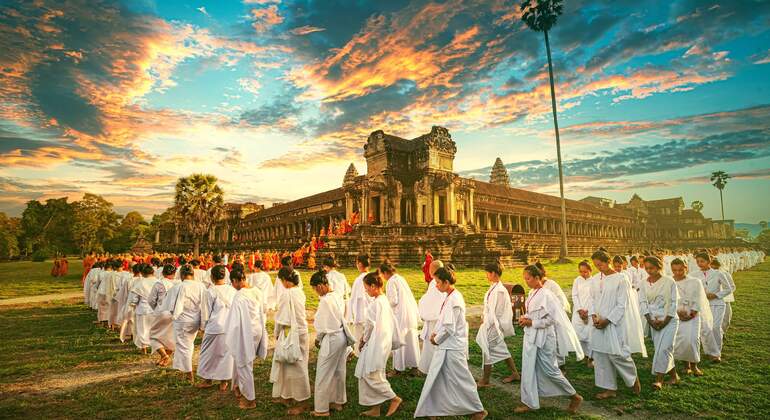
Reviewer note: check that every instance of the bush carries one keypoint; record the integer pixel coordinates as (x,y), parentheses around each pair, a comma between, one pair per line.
(40,255)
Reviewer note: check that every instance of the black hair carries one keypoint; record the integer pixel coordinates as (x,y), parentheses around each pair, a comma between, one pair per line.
(195,263)
(373,279)
(286,261)
(258,264)
(540,267)
(363,259)
(601,256)
(182,260)
(237,266)
(678,261)
(585,264)
(147,270)
(185,270)
(117,264)
(446,275)
(618,259)
(534,271)
(654,261)
(329,262)
(217,259)
(218,272)
(387,267)
(288,274)
(137,268)
(704,256)
(237,275)
(168,270)
(318,278)
(633,258)
(155,261)
(494,267)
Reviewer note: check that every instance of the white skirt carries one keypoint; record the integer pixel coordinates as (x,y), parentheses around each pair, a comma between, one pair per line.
(215,362)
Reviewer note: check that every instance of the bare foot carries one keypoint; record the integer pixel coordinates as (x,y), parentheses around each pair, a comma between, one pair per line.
(205,384)
(674,380)
(317,414)
(574,405)
(336,407)
(245,404)
(606,395)
(223,386)
(480,416)
(393,374)
(687,371)
(637,388)
(716,360)
(697,372)
(236,391)
(394,404)
(515,377)
(589,363)
(373,412)
(657,386)
(481,384)
(522,409)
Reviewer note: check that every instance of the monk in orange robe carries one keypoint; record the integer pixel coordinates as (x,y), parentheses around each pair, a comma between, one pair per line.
(354,218)
(88,262)
(311,260)
(322,232)
(313,244)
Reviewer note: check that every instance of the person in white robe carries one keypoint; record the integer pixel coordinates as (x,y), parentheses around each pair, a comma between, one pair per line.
(379,339)
(332,344)
(278,288)
(359,301)
(245,338)
(659,301)
(260,280)
(162,329)
(291,381)
(405,310)
(198,274)
(449,388)
(581,304)
(337,281)
(188,304)
(117,304)
(139,300)
(717,288)
(496,326)
(694,312)
(429,307)
(215,363)
(89,280)
(557,291)
(105,290)
(127,325)
(729,299)
(217,261)
(541,375)
(616,329)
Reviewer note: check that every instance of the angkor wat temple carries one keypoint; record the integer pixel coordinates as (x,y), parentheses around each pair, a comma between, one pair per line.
(410,200)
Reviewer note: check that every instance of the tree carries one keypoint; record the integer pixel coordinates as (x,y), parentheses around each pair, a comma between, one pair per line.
(541,16)
(47,227)
(198,203)
(743,234)
(763,224)
(697,206)
(95,222)
(10,228)
(764,240)
(719,180)
(130,228)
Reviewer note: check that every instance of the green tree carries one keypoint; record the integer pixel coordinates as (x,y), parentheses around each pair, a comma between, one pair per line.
(719,180)
(10,228)
(131,226)
(47,227)
(764,240)
(198,203)
(541,16)
(95,222)
(697,206)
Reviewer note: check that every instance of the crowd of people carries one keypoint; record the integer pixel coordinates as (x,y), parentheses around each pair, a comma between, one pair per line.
(160,303)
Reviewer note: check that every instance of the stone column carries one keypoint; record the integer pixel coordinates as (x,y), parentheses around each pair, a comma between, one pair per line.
(348,205)
(451,204)
(471,211)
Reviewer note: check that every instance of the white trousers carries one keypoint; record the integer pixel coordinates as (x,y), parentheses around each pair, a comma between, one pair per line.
(608,366)
(330,372)
(374,389)
(713,346)
(663,340)
(184,334)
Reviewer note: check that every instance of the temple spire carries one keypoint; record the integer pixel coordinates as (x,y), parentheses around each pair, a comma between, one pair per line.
(350,175)
(499,175)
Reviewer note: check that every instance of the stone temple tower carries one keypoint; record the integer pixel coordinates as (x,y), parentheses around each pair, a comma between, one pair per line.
(499,175)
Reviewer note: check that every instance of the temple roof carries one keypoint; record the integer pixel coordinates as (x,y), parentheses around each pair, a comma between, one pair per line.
(312,200)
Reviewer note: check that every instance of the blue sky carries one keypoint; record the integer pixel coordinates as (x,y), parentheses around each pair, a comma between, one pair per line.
(277,97)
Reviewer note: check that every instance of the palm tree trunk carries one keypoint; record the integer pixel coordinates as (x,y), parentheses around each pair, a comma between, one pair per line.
(197,248)
(563,250)
(722,203)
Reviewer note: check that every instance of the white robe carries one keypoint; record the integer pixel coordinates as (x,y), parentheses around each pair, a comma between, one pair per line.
(715,281)
(245,338)
(692,298)
(449,389)
(162,329)
(540,373)
(143,312)
(581,300)
(356,311)
(380,338)
(292,380)
(338,284)
(87,285)
(660,300)
(215,362)
(332,354)
(429,308)
(405,311)
(496,325)
(261,281)
(279,290)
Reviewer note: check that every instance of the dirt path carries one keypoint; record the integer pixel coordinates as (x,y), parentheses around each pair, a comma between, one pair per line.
(40,298)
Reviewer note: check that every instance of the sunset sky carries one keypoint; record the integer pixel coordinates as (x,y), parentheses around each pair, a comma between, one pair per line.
(276,97)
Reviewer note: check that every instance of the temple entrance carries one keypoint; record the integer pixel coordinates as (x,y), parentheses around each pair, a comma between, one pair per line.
(407,211)
(374,211)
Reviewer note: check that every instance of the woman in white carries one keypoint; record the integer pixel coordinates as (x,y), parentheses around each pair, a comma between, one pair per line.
(291,381)
(278,287)
(359,301)
(162,329)
(449,389)
(379,339)
(496,325)
(188,304)
(429,307)
(405,310)
(693,311)
(581,304)
(616,329)
(729,299)
(215,363)
(337,281)
(717,288)
(138,299)
(127,326)
(659,301)
(557,291)
(332,345)
(93,273)
(260,280)
(541,375)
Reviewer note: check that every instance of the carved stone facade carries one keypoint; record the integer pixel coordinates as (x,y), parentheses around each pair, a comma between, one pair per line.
(411,200)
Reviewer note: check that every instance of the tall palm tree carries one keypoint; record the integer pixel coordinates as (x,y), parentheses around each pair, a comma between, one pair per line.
(719,180)
(541,16)
(198,204)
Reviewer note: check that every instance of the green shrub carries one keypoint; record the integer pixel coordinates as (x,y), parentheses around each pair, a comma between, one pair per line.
(41,255)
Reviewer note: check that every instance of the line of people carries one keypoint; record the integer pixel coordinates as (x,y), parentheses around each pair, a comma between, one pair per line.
(164,307)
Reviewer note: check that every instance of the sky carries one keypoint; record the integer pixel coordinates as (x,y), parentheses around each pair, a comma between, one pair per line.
(276,98)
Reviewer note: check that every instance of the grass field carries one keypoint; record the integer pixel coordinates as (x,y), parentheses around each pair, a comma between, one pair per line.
(26,278)
(56,364)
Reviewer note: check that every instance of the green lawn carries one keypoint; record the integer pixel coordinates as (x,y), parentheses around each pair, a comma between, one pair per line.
(26,278)
(56,364)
